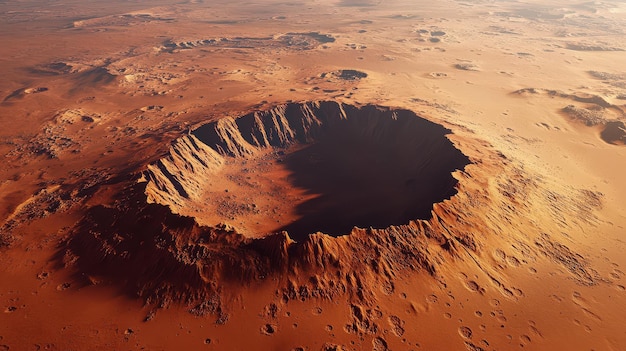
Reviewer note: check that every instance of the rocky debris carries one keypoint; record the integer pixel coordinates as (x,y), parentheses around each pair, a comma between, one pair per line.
(121,20)
(397,325)
(573,262)
(363,321)
(298,41)
(502,30)
(35,90)
(20,93)
(591,47)
(306,40)
(592,99)
(533,14)
(466,66)
(64,133)
(45,202)
(379,344)
(473,347)
(328,347)
(613,131)
(607,76)
(6,238)
(350,74)
(586,116)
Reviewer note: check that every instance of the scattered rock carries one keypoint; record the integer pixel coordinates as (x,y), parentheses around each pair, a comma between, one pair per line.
(63,286)
(379,344)
(591,47)
(35,90)
(350,74)
(466,66)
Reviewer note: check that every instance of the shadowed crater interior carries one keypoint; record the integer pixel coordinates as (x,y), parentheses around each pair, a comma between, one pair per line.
(311,167)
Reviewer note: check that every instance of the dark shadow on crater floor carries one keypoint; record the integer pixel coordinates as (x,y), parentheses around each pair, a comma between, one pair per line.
(373,169)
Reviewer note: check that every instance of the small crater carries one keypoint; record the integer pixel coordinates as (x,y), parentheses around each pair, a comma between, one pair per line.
(513,261)
(465,332)
(499,255)
(268,329)
(431,299)
(473,286)
(350,74)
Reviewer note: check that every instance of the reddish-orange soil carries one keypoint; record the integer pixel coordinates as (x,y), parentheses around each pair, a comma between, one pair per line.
(328,175)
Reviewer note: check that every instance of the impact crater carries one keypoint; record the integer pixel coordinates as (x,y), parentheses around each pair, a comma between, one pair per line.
(308,167)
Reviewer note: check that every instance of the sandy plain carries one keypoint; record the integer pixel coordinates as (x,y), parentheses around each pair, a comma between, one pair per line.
(527,254)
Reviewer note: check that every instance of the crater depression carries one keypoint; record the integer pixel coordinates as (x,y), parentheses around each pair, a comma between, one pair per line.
(306,168)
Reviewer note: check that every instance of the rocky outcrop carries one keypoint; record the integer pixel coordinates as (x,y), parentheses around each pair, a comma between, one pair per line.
(174,177)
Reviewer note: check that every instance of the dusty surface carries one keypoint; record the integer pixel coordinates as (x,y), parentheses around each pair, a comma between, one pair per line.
(525,253)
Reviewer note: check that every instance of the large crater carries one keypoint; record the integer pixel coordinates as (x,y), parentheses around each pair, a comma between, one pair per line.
(306,168)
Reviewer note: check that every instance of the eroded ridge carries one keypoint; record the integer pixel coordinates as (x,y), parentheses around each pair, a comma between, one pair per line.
(305,168)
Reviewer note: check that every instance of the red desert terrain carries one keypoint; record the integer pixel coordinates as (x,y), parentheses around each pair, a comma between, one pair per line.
(323,175)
